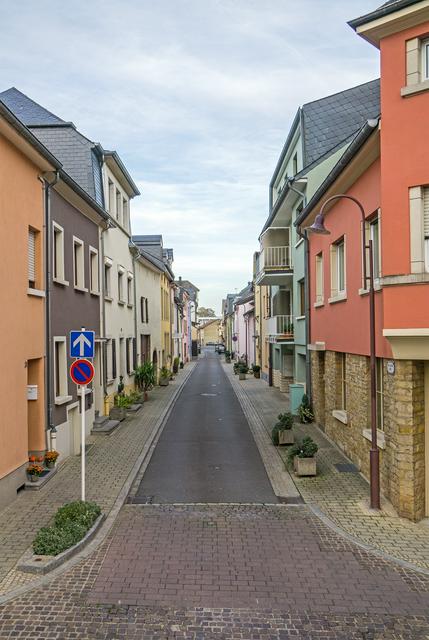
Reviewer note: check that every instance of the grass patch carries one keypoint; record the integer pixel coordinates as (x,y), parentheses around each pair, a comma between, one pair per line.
(71,523)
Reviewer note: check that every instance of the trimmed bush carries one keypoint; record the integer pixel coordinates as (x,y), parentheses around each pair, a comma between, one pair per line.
(71,523)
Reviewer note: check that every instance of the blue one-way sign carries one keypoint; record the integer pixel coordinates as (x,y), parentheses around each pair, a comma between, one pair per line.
(82,344)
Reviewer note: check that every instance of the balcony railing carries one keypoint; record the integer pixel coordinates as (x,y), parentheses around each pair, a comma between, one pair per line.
(280,326)
(276,258)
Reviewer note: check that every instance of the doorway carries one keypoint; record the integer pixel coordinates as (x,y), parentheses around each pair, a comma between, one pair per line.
(73,417)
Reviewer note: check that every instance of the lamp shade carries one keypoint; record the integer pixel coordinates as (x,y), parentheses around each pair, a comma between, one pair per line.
(318,226)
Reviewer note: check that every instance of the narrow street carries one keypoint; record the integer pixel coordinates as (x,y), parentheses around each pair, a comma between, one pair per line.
(202,550)
(206,452)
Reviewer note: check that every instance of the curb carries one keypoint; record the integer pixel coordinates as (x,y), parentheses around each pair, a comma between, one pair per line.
(113,513)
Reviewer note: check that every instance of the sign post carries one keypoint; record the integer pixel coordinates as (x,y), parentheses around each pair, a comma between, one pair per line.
(82,373)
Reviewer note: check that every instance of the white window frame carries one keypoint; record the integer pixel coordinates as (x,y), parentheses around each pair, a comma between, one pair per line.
(125,214)
(107,270)
(58,264)
(79,269)
(130,297)
(424,60)
(118,205)
(319,280)
(111,196)
(60,371)
(94,271)
(32,258)
(338,294)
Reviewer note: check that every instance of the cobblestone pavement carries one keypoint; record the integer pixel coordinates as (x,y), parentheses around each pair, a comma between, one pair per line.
(224,572)
(341,497)
(33,509)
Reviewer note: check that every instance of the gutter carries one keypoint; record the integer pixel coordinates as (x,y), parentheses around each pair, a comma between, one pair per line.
(381,12)
(367,130)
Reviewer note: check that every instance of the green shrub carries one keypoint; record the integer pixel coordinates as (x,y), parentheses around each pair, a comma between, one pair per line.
(307,449)
(243,368)
(176,365)
(71,523)
(256,368)
(305,410)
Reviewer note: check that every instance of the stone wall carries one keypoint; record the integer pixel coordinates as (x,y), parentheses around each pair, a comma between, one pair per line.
(402,464)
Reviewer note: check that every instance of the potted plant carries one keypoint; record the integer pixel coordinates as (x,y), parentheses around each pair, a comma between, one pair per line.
(145,377)
(236,367)
(305,410)
(119,411)
(121,385)
(242,370)
(164,377)
(302,456)
(282,431)
(176,365)
(51,458)
(227,357)
(34,471)
(256,371)
(182,364)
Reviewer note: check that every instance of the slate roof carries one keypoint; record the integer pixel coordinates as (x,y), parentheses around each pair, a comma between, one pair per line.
(28,111)
(331,121)
(385,9)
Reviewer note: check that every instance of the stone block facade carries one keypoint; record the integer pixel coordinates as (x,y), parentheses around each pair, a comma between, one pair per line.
(402,440)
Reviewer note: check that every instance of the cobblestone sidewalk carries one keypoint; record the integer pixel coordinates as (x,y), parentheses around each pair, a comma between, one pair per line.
(341,497)
(117,452)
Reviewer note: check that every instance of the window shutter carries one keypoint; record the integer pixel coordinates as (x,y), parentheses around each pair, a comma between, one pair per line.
(113,358)
(31,256)
(426,210)
(127,355)
(134,353)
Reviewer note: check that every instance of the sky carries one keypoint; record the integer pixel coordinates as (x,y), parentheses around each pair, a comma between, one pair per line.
(197,97)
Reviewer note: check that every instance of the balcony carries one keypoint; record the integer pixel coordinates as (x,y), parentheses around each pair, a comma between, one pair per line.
(275,266)
(280,329)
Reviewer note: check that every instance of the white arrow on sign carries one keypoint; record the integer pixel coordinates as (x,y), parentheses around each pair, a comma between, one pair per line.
(80,342)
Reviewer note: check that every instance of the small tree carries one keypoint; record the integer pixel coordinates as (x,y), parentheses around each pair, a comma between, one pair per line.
(145,376)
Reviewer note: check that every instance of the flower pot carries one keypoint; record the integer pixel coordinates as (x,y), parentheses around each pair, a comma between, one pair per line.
(305,466)
(50,464)
(241,376)
(286,436)
(257,374)
(34,478)
(164,382)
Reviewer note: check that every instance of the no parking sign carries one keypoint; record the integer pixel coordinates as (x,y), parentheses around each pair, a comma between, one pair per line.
(82,371)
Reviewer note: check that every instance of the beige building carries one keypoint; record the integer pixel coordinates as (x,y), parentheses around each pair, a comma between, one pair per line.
(209,331)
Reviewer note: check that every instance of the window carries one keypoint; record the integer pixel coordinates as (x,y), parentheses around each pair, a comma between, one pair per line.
(343,382)
(144,309)
(78,264)
(108,278)
(426,225)
(111,189)
(118,206)
(125,219)
(134,348)
(374,228)
(380,393)
(130,289)
(122,361)
(121,285)
(301,297)
(319,278)
(128,355)
(113,358)
(338,269)
(32,258)
(295,164)
(94,281)
(60,368)
(58,253)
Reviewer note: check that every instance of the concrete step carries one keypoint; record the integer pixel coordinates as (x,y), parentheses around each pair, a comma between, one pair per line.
(134,407)
(100,420)
(106,427)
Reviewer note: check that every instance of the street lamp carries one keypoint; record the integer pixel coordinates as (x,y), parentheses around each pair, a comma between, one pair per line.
(318,227)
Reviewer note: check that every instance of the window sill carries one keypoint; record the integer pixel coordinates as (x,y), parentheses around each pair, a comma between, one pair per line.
(412,89)
(381,440)
(130,306)
(110,382)
(62,399)
(340,415)
(365,292)
(63,283)
(339,298)
(122,303)
(300,318)
(108,299)
(81,289)
(95,293)
(37,293)
(316,305)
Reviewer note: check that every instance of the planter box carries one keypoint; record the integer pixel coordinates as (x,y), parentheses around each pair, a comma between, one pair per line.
(32,563)
(118,413)
(305,466)
(257,374)
(164,382)
(35,485)
(286,436)
(241,376)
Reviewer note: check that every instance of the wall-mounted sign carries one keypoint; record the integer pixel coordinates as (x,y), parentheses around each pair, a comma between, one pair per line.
(32,391)
(391,367)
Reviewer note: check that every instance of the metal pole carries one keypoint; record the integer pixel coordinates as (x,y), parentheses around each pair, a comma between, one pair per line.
(82,439)
(374,456)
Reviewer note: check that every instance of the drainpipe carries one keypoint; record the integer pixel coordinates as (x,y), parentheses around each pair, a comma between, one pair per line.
(135,256)
(47,186)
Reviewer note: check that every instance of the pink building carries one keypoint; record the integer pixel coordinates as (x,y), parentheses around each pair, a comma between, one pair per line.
(244,324)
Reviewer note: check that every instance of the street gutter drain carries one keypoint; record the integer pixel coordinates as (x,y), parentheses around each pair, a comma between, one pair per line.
(346,467)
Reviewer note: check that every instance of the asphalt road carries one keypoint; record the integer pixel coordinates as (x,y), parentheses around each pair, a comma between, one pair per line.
(206,452)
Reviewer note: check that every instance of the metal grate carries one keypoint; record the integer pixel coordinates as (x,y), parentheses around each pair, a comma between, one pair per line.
(346,467)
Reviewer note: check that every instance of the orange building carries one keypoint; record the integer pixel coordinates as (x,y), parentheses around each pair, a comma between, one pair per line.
(387,169)
(23,161)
